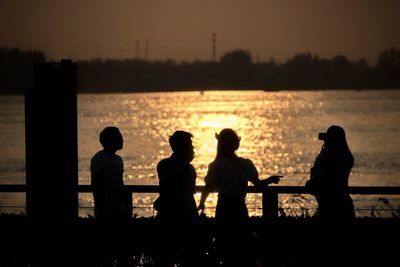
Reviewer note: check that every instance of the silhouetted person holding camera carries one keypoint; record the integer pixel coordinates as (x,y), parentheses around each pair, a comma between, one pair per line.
(176,206)
(329,177)
(111,208)
(229,175)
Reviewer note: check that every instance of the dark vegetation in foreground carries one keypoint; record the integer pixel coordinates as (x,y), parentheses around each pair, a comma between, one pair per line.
(287,241)
(235,69)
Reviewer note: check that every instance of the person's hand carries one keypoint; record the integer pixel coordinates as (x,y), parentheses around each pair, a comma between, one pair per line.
(270,180)
(274,179)
(201,207)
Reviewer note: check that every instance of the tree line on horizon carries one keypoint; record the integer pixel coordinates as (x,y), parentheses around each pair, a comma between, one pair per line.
(234,70)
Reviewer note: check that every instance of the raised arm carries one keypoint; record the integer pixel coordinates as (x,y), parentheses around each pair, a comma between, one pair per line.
(254,177)
(209,186)
(274,179)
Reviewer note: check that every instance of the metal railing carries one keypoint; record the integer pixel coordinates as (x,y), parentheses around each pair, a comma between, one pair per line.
(270,195)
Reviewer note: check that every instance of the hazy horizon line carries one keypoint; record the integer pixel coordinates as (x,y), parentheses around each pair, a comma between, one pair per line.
(255,56)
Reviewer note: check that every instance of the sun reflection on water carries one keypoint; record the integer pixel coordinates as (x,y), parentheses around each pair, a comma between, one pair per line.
(147,120)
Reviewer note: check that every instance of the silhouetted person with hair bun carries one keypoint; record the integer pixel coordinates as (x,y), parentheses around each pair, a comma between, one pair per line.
(229,175)
(329,177)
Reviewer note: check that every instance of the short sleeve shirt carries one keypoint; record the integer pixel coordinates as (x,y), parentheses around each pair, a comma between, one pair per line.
(110,168)
(231,176)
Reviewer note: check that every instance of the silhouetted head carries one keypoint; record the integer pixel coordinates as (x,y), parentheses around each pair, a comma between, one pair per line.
(334,136)
(335,144)
(181,145)
(111,139)
(228,143)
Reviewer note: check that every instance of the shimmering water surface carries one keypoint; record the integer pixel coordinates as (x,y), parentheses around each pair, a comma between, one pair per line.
(278,132)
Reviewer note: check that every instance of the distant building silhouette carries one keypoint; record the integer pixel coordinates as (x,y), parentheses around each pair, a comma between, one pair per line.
(235,69)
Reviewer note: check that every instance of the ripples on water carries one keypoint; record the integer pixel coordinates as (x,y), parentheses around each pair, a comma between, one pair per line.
(278,132)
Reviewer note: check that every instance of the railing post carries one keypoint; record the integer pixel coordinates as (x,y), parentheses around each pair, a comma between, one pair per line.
(129,199)
(270,204)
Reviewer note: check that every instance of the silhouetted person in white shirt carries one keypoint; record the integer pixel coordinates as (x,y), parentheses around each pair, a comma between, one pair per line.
(111,209)
(107,170)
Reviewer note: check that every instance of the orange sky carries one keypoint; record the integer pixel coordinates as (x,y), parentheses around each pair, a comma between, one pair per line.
(181,29)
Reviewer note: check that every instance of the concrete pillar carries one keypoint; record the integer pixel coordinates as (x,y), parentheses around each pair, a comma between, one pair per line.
(51,142)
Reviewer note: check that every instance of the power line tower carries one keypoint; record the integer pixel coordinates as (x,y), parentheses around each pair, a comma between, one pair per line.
(137,50)
(98,52)
(214,46)
(146,50)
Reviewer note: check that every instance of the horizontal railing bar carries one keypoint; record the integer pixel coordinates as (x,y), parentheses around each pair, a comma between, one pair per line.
(364,190)
(211,207)
(12,188)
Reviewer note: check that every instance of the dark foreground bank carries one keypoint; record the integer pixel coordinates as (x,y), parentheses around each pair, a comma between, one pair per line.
(284,242)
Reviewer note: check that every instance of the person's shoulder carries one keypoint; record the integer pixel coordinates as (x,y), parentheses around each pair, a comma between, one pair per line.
(98,155)
(245,161)
(192,168)
(97,161)
(118,157)
(163,163)
(214,163)
(220,163)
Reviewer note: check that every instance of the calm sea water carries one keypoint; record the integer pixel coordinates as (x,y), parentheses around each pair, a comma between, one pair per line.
(278,132)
